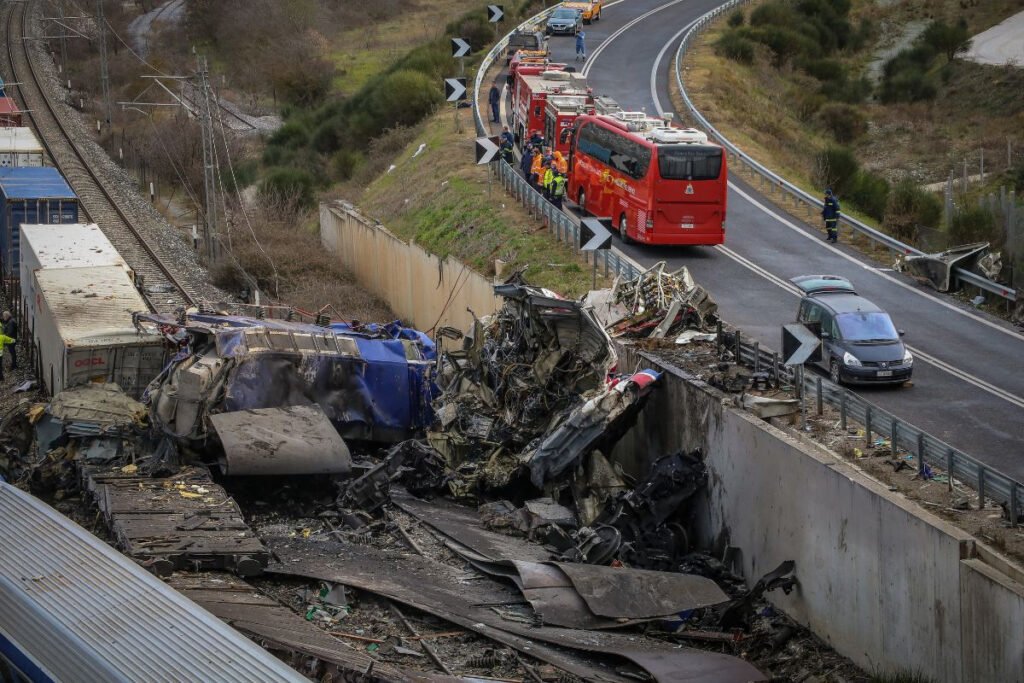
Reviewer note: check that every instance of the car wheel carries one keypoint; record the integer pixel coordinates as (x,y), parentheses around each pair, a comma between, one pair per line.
(581,201)
(834,372)
(624,230)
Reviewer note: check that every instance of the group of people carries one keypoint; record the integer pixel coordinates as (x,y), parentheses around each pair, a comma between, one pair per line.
(545,170)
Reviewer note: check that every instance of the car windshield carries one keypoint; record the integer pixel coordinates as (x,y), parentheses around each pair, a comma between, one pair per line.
(866,326)
(563,14)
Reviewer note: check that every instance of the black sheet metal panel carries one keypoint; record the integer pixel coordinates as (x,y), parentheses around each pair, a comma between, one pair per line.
(462,524)
(290,440)
(617,592)
(436,588)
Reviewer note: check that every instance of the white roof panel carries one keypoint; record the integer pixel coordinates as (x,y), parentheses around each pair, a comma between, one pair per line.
(89,304)
(74,245)
(19,139)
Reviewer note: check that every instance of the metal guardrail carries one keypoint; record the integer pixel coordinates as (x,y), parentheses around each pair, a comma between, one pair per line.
(771,180)
(928,450)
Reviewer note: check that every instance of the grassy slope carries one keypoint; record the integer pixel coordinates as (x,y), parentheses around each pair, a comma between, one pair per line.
(440,200)
(751,106)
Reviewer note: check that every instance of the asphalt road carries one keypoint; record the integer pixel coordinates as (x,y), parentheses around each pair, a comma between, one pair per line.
(968,384)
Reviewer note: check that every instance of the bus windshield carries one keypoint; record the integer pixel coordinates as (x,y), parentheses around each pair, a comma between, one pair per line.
(679,162)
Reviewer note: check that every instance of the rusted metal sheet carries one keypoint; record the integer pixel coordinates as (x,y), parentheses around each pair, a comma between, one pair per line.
(617,592)
(437,588)
(182,522)
(291,440)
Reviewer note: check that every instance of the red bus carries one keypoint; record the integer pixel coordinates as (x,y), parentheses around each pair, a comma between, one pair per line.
(657,184)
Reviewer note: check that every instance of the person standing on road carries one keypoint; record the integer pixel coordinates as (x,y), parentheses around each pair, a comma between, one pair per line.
(558,190)
(581,47)
(537,170)
(10,329)
(494,97)
(830,212)
(506,152)
(4,341)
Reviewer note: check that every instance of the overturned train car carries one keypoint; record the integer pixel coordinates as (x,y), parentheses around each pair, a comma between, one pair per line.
(371,383)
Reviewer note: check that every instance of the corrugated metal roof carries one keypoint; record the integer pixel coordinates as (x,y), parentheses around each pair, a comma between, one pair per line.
(34,182)
(86,613)
(68,245)
(8,106)
(90,302)
(19,139)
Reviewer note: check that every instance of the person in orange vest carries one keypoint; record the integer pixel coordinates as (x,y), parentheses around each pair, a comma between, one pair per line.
(537,170)
(561,165)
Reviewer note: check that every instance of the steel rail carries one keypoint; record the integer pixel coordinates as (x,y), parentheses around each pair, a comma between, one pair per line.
(771,180)
(86,181)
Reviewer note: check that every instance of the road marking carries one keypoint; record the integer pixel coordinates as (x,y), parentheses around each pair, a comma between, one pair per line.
(607,41)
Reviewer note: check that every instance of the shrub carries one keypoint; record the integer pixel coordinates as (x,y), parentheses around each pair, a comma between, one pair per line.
(736,19)
(773,14)
(403,98)
(785,43)
(288,186)
(344,163)
(909,84)
(806,104)
(291,135)
(870,194)
(735,47)
(325,138)
(975,224)
(846,90)
(947,39)
(1015,175)
(846,123)
(908,207)
(836,167)
(824,69)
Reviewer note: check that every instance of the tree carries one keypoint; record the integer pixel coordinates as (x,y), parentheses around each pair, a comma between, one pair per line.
(948,39)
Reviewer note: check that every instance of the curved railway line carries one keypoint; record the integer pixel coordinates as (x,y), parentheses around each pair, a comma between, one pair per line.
(163,291)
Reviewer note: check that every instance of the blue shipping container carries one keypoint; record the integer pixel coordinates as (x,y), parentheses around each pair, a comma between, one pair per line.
(31,195)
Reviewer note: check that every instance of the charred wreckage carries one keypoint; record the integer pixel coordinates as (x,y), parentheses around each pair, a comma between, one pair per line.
(494,442)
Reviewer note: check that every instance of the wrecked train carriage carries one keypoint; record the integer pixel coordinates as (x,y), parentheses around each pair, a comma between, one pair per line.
(374,383)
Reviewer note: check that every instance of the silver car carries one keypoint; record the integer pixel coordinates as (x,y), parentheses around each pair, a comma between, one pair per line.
(563,20)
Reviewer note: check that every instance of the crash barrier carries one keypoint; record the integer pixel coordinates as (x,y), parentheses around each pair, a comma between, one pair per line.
(421,288)
(488,60)
(883,581)
(561,224)
(75,609)
(787,190)
(930,451)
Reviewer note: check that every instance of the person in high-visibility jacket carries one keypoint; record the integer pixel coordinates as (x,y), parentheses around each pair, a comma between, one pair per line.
(560,163)
(558,189)
(537,170)
(830,212)
(4,341)
(549,176)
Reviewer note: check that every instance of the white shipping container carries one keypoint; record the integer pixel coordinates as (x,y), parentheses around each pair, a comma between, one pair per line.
(20,147)
(60,245)
(84,330)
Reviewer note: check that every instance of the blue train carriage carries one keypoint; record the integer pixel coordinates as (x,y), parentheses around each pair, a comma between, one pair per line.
(31,195)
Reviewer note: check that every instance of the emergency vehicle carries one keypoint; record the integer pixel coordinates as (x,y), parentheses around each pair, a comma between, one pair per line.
(560,113)
(532,88)
(590,9)
(524,58)
(656,183)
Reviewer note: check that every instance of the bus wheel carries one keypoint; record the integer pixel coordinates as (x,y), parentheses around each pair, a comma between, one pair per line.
(624,230)
(581,200)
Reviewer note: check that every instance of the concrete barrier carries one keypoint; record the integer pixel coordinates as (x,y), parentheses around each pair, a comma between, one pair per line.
(887,584)
(424,290)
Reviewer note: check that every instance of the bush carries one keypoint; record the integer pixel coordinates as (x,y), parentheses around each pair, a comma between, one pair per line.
(836,167)
(325,138)
(288,186)
(735,47)
(824,69)
(736,19)
(846,90)
(403,99)
(291,135)
(975,224)
(773,14)
(806,104)
(785,43)
(909,84)
(344,163)
(846,123)
(870,194)
(946,39)
(908,207)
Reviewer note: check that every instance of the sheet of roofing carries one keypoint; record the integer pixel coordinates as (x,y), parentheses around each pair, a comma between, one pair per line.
(74,609)
(90,302)
(34,183)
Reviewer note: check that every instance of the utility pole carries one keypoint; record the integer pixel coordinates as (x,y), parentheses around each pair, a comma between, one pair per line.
(209,162)
(63,37)
(101,23)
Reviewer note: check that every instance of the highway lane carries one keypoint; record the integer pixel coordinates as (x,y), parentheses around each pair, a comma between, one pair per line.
(972,396)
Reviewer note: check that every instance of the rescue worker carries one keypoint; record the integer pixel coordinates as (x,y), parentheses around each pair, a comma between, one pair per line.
(506,152)
(10,329)
(536,139)
(527,161)
(506,135)
(558,189)
(4,341)
(560,163)
(494,98)
(830,212)
(549,177)
(581,48)
(537,170)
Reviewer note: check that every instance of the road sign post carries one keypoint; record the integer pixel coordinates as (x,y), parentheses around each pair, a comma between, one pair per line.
(460,48)
(487,153)
(599,239)
(495,13)
(455,91)
(800,345)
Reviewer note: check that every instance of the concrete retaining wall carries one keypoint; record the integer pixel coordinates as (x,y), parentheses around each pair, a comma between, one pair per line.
(887,584)
(421,288)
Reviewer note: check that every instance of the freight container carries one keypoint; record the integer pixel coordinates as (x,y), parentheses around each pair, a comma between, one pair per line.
(44,247)
(84,330)
(31,195)
(10,115)
(20,147)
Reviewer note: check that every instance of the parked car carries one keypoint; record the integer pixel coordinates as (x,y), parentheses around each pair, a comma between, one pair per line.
(591,9)
(859,342)
(564,20)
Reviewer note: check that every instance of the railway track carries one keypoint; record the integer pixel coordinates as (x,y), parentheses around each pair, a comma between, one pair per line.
(163,291)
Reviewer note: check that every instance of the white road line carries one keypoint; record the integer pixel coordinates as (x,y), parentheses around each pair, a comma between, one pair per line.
(607,41)
(789,287)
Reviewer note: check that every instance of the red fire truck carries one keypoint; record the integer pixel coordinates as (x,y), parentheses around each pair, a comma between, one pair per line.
(534,83)
(560,113)
(656,183)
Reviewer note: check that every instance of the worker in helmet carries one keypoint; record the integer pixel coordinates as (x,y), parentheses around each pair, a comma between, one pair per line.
(558,189)
(537,170)
(560,163)
(830,213)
